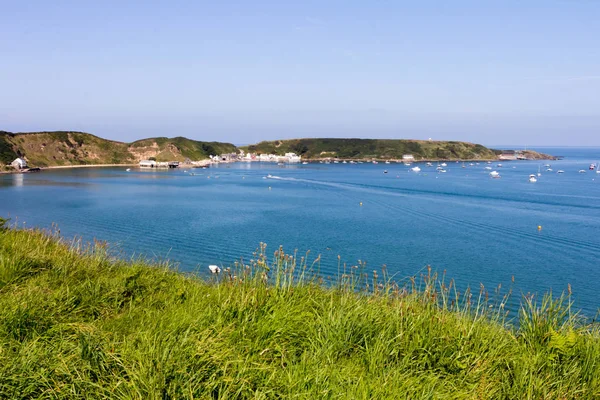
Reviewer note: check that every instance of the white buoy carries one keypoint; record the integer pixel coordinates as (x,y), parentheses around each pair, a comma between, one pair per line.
(214,269)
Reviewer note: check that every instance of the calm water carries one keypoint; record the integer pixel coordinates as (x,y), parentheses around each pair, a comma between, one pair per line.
(476,228)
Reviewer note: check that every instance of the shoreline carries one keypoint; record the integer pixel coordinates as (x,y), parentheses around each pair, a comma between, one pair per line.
(206,163)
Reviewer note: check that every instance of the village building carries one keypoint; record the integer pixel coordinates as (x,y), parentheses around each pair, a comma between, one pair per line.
(19,163)
(148,164)
(408,158)
(508,155)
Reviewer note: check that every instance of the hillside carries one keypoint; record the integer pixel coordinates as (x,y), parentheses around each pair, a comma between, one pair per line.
(83,325)
(42,149)
(178,148)
(375,148)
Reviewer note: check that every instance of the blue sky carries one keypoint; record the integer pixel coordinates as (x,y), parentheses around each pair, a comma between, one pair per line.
(492,72)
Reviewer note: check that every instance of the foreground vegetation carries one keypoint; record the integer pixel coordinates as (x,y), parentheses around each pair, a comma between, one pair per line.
(76,324)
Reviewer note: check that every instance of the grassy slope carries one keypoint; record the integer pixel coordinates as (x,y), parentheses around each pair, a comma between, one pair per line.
(7,153)
(375,148)
(68,148)
(75,325)
(180,148)
(77,148)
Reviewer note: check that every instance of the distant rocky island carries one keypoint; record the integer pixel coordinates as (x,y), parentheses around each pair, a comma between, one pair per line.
(69,148)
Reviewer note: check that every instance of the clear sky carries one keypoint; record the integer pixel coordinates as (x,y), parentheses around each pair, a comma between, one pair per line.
(492,72)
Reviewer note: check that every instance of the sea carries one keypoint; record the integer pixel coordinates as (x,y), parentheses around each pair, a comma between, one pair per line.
(530,238)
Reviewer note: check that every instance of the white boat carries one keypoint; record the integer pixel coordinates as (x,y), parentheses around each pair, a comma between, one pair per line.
(344,162)
(547,165)
(539,173)
(532,178)
(336,162)
(560,171)
(499,165)
(592,167)
(429,164)
(488,168)
(128,169)
(549,170)
(305,163)
(444,164)
(443,171)
(494,174)
(415,169)
(582,171)
(375,162)
(385,171)
(387,162)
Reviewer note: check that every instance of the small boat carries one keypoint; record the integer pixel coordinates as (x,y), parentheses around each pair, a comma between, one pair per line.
(375,162)
(387,162)
(499,165)
(385,171)
(415,169)
(582,171)
(280,164)
(128,169)
(547,165)
(560,171)
(532,178)
(494,174)
(443,171)
(444,164)
(336,162)
(429,164)
(344,162)
(305,163)
(549,170)
(488,168)
(592,167)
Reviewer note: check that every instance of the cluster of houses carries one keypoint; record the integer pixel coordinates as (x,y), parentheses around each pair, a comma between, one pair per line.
(286,158)
(511,155)
(158,164)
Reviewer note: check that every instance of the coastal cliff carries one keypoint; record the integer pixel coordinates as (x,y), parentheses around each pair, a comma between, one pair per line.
(64,148)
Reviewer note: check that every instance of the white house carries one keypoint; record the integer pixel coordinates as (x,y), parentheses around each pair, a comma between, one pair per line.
(293,157)
(148,164)
(408,158)
(19,163)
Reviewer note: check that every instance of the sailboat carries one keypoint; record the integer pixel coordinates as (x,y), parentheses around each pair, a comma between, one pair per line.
(539,173)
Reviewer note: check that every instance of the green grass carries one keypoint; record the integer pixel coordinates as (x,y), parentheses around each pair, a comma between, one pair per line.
(75,323)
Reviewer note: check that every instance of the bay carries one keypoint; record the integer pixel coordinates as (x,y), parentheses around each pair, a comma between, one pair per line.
(477,229)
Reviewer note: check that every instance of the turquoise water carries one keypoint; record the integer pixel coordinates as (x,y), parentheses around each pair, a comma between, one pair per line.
(477,229)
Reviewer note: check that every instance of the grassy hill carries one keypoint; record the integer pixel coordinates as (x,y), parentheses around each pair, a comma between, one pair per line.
(178,148)
(77,324)
(43,149)
(375,148)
